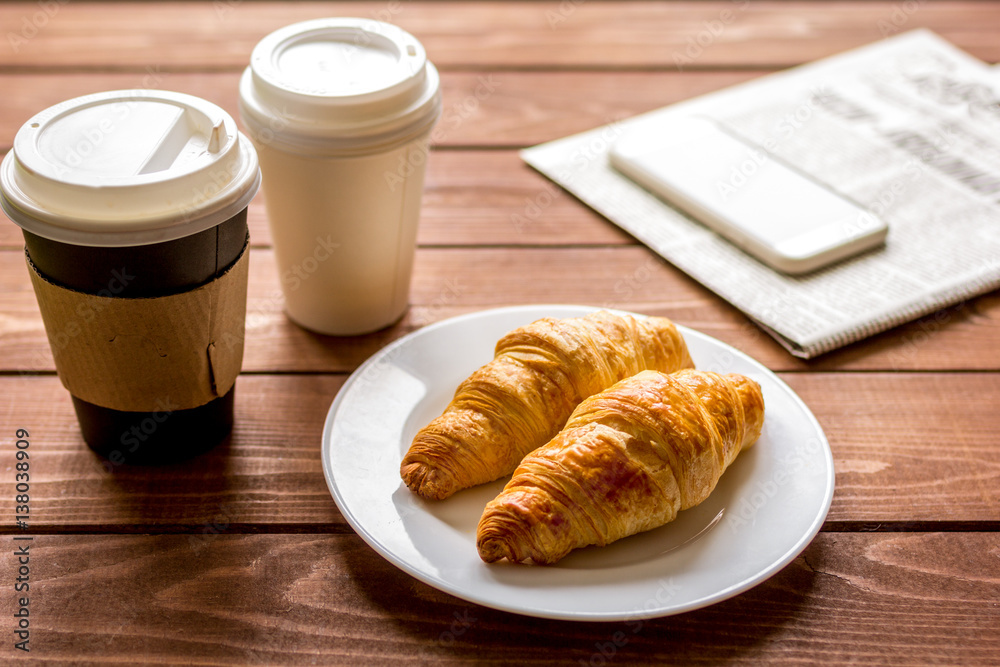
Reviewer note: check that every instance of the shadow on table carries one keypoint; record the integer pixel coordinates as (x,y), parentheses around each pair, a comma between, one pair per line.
(192,491)
(737,628)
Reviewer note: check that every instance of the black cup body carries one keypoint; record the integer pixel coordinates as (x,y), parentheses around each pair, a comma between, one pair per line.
(144,271)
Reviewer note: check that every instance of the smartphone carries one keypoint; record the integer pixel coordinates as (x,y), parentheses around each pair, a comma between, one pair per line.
(765,206)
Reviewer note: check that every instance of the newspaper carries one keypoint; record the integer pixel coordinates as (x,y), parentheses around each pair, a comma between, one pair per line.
(908,127)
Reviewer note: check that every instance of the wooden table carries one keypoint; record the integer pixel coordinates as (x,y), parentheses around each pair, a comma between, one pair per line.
(241,556)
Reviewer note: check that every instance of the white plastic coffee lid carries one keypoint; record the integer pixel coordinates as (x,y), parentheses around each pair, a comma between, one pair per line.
(127,167)
(339,86)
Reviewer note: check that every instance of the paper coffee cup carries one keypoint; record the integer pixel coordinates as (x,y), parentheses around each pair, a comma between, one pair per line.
(340,111)
(133,208)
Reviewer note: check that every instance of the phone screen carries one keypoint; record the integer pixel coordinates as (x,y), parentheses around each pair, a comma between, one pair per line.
(762,204)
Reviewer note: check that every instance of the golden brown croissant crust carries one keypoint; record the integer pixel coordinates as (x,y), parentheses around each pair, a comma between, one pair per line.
(518,401)
(627,461)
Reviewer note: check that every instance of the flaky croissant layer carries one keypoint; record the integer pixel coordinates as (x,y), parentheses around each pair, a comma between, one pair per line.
(518,401)
(628,460)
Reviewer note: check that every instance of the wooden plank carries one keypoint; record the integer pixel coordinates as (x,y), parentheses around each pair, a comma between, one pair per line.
(924,598)
(909,445)
(471,196)
(908,448)
(269,472)
(492,198)
(485,198)
(448,282)
(480,108)
(241,556)
(220,35)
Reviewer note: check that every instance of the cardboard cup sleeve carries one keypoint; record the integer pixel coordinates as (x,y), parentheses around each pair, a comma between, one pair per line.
(131,354)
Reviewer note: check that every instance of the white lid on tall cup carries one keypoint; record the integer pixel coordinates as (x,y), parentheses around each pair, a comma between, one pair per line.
(339,86)
(127,167)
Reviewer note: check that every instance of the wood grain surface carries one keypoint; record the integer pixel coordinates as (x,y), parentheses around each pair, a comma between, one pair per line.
(450,281)
(481,108)
(472,197)
(511,34)
(222,599)
(937,461)
(241,557)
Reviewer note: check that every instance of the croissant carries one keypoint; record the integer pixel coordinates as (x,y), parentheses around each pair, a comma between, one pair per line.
(521,399)
(627,461)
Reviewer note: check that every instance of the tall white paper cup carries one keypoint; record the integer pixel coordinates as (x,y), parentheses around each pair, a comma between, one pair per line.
(340,111)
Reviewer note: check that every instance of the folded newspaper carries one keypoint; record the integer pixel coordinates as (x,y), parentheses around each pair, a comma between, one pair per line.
(908,127)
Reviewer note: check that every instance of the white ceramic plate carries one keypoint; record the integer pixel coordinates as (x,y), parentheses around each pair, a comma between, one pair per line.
(766,508)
